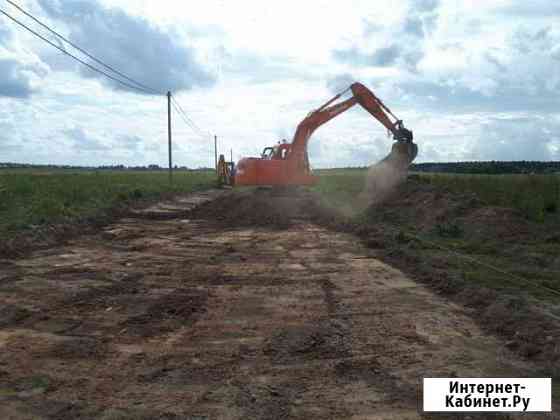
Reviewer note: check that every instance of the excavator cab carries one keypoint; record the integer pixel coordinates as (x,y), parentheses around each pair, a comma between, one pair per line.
(267,153)
(278,152)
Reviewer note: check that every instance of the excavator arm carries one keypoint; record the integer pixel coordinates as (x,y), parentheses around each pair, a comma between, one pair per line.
(360,95)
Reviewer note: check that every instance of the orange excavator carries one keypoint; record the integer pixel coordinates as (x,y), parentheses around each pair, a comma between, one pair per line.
(288,163)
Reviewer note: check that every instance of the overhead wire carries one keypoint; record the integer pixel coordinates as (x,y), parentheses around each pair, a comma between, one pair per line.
(131,84)
(184,114)
(107,66)
(188,123)
(91,67)
(188,120)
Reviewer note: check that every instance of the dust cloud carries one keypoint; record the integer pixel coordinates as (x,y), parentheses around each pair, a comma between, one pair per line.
(381,181)
(384,177)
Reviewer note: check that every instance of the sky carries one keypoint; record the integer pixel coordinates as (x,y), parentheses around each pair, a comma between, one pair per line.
(473,79)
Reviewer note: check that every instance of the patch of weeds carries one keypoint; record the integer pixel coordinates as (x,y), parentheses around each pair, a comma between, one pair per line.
(556,389)
(481,277)
(477,247)
(32,383)
(551,207)
(137,193)
(402,237)
(554,238)
(122,196)
(449,230)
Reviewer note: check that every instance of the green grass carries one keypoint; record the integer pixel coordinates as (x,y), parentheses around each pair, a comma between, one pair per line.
(536,196)
(340,187)
(29,198)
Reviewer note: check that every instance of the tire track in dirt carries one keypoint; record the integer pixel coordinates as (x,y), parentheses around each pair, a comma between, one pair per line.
(177,316)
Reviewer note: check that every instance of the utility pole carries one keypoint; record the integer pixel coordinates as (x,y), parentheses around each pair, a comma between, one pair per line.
(216,153)
(169,136)
(231,151)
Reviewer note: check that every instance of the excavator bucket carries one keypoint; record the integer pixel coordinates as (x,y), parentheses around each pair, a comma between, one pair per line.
(402,154)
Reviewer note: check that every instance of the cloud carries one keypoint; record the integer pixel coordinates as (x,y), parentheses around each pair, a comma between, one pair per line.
(83,141)
(5,34)
(371,27)
(15,81)
(518,138)
(382,57)
(555,52)
(352,56)
(471,83)
(424,5)
(7,144)
(315,149)
(20,71)
(130,44)
(533,8)
(406,54)
(386,56)
(258,68)
(413,26)
(130,142)
(520,75)
(338,83)
(422,18)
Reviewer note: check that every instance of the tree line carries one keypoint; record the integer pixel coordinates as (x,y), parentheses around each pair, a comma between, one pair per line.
(152,167)
(490,167)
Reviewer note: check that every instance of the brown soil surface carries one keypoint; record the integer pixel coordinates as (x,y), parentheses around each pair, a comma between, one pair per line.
(243,308)
(403,229)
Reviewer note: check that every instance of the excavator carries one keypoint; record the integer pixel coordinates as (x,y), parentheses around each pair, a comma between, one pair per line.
(287,164)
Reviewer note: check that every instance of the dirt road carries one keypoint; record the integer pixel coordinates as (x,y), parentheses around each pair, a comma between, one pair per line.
(162,315)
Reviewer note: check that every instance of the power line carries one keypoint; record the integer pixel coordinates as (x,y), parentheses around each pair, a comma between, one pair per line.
(182,111)
(73,56)
(188,120)
(82,50)
(185,119)
(136,86)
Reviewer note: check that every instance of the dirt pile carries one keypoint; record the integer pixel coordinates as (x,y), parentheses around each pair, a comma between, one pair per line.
(273,208)
(326,339)
(429,209)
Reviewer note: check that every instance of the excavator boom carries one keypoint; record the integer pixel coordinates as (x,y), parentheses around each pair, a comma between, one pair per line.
(288,164)
(360,95)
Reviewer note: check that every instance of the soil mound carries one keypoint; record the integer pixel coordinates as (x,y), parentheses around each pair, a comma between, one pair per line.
(433,209)
(261,207)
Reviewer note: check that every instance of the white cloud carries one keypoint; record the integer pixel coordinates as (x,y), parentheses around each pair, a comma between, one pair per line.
(471,82)
(21,71)
(138,48)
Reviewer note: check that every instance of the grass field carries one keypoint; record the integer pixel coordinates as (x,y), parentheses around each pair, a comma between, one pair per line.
(29,198)
(34,197)
(537,197)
